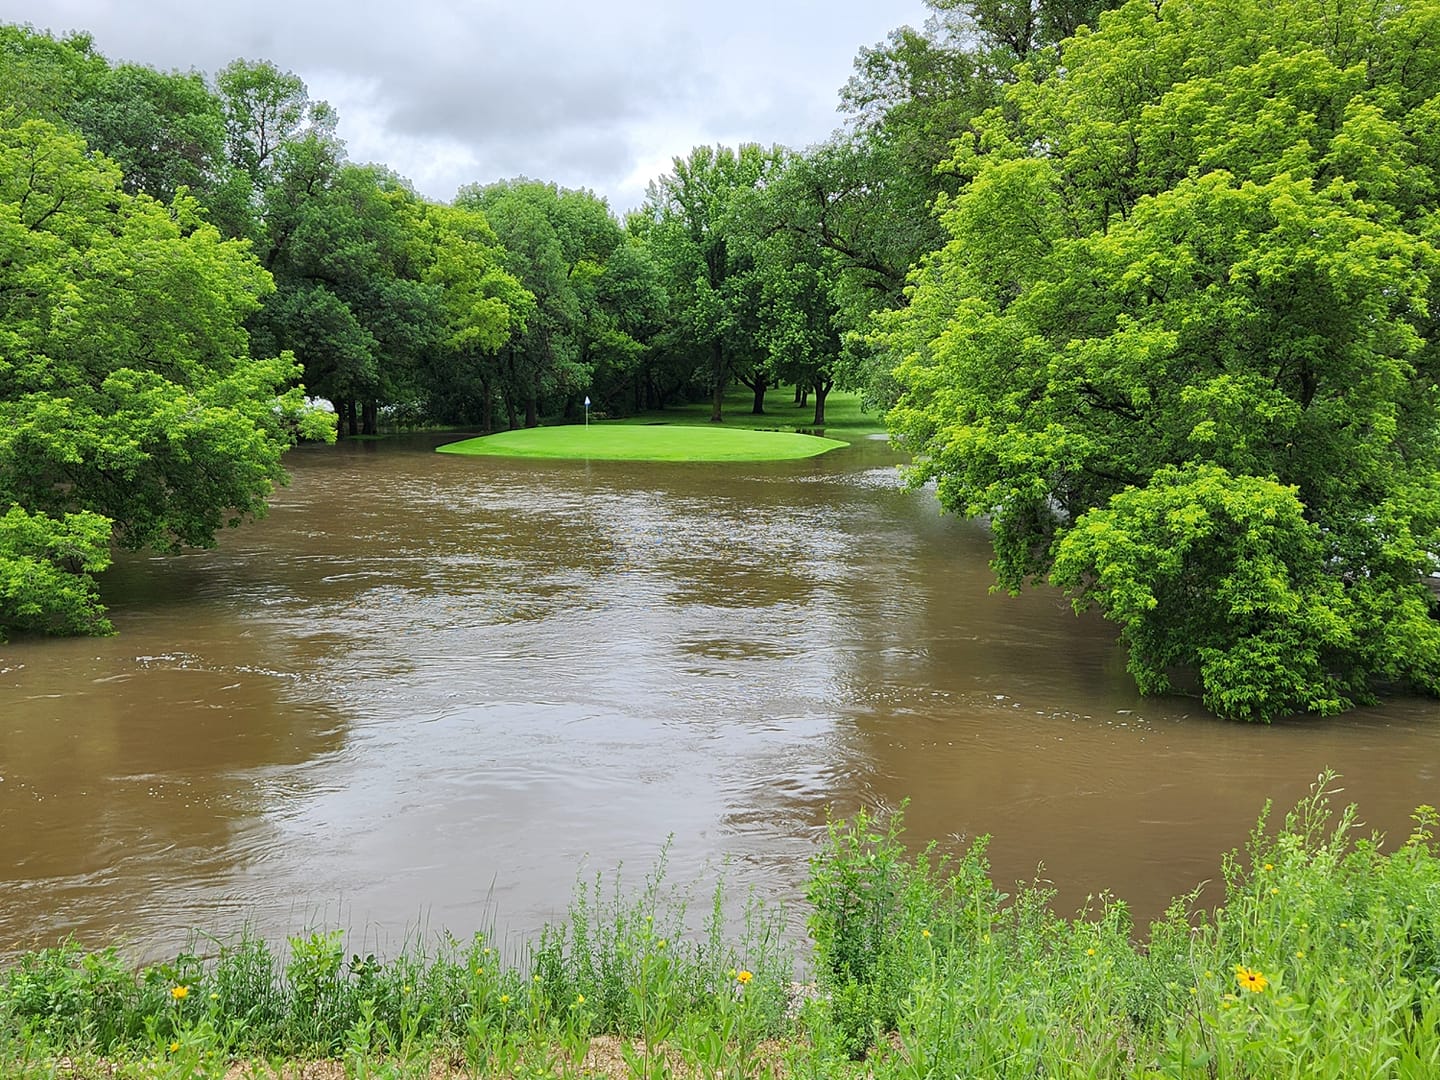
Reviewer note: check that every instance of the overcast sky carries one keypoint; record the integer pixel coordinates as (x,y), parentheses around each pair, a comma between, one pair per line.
(599,94)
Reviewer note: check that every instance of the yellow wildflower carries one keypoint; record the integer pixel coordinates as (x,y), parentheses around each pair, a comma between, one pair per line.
(925,933)
(1250,980)
(579,999)
(1269,866)
(1274,892)
(1300,954)
(504,999)
(180,993)
(175,1047)
(1089,952)
(743,977)
(660,944)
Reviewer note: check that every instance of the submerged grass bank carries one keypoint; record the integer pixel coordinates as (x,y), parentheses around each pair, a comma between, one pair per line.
(605,441)
(1322,961)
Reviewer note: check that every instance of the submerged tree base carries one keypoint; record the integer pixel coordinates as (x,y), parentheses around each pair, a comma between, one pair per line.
(659,442)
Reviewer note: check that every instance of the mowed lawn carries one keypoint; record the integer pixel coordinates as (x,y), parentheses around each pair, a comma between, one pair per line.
(606,441)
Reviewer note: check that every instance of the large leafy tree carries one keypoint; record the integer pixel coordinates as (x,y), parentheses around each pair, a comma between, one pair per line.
(164,129)
(694,223)
(130,406)
(1179,347)
(344,244)
(265,109)
(867,195)
(484,306)
(558,242)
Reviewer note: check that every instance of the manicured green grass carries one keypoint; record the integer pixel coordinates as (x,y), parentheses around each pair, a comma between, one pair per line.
(606,441)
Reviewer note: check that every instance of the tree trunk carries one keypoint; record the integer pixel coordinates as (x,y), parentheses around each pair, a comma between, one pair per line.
(822,391)
(510,410)
(370,419)
(532,413)
(761,385)
(717,373)
(487,408)
(799,395)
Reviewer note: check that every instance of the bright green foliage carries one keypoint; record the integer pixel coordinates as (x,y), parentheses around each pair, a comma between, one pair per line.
(631,965)
(165,130)
(483,305)
(873,910)
(45,565)
(126,385)
(1276,631)
(1219,257)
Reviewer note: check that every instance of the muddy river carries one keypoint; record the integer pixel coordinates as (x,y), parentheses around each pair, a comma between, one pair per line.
(427,691)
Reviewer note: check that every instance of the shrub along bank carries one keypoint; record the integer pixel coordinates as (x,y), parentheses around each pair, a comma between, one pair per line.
(1322,961)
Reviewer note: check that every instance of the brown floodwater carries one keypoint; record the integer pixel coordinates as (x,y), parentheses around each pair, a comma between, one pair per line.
(429,691)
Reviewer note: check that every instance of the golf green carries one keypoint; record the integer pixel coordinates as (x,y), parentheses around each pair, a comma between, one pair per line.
(660,442)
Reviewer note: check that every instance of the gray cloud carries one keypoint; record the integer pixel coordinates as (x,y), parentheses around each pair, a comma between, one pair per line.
(586,94)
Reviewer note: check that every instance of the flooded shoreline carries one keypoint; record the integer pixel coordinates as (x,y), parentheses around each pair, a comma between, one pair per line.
(431,691)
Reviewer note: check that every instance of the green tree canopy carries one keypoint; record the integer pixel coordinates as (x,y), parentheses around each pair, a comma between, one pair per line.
(1179,347)
(694,224)
(129,402)
(558,242)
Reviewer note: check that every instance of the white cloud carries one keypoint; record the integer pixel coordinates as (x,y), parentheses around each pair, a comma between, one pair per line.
(448,92)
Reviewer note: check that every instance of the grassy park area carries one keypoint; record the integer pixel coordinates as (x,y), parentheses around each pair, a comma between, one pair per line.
(685,433)
(622,442)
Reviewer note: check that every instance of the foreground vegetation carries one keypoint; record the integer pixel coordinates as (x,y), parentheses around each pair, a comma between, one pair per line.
(619,442)
(1323,960)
